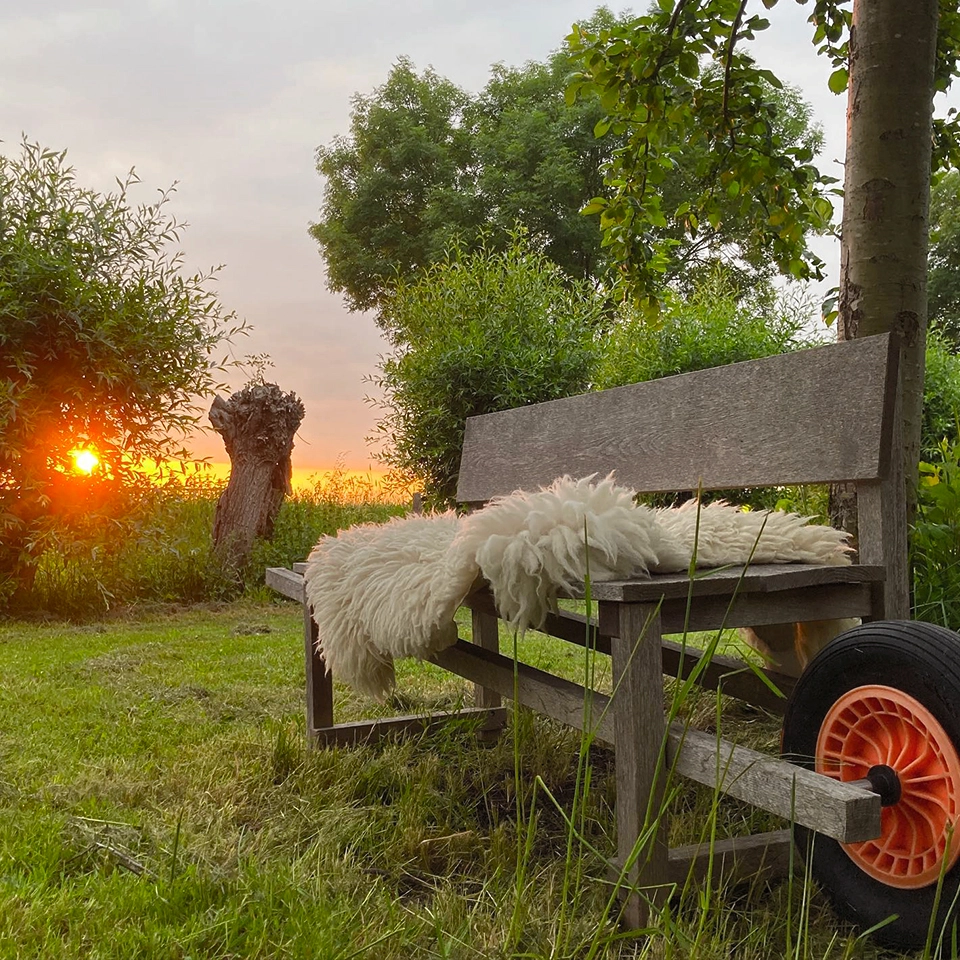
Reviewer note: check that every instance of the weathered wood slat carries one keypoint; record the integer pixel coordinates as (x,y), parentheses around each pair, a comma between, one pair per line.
(542,692)
(846,813)
(711,613)
(752,424)
(319,682)
(372,731)
(639,731)
(285,581)
(735,860)
(728,675)
(838,810)
(731,676)
(486,634)
(762,578)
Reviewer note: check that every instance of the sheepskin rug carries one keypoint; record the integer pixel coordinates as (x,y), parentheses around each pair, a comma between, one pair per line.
(382,591)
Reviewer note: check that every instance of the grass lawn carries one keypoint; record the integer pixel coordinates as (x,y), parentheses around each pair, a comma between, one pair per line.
(156,800)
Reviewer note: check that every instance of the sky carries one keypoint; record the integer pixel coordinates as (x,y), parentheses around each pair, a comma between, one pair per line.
(231,98)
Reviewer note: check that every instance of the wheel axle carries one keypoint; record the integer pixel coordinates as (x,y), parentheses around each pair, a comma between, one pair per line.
(883,780)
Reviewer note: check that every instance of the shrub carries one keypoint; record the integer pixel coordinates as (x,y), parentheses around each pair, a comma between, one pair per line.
(477,333)
(106,342)
(935,538)
(712,327)
(941,395)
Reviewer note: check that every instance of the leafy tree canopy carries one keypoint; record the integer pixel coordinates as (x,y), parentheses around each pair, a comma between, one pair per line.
(104,343)
(677,83)
(425,162)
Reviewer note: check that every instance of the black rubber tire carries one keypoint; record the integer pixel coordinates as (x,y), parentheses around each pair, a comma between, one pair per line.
(918,659)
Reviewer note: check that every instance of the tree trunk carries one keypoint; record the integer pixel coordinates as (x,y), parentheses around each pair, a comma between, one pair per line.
(257,425)
(883,256)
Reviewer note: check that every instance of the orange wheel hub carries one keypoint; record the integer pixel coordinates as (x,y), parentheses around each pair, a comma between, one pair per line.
(880,726)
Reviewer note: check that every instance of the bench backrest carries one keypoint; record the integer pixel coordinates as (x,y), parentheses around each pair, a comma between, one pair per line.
(824,415)
(813,416)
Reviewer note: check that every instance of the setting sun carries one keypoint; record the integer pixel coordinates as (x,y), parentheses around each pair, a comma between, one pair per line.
(84,461)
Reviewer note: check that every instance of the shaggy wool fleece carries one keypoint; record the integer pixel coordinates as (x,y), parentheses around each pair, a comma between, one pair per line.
(382,591)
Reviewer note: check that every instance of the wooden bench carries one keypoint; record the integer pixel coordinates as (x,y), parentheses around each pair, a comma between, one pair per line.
(828,414)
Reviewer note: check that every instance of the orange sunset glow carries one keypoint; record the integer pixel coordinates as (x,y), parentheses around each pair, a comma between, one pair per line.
(84,460)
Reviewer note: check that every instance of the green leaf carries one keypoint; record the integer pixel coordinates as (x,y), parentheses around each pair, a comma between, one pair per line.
(838,80)
(596,205)
(688,64)
(733,189)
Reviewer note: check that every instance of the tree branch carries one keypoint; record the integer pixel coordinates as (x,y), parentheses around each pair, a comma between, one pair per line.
(731,43)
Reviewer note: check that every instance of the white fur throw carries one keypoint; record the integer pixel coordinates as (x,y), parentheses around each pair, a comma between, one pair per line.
(381,591)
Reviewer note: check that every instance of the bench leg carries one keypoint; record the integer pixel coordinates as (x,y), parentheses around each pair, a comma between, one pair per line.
(639,730)
(486,634)
(319,686)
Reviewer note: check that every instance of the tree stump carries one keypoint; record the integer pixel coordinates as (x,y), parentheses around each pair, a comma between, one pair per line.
(257,424)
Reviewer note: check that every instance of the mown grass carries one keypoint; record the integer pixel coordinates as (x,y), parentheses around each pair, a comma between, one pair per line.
(156,800)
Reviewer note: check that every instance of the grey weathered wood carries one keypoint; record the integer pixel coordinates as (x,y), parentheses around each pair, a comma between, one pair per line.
(639,735)
(319,681)
(882,534)
(727,674)
(836,809)
(734,860)
(285,581)
(372,731)
(761,578)
(758,423)
(548,695)
(486,634)
(730,676)
(839,810)
(754,609)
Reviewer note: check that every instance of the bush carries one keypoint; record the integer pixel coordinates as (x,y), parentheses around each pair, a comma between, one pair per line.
(935,538)
(941,396)
(106,342)
(713,327)
(477,333)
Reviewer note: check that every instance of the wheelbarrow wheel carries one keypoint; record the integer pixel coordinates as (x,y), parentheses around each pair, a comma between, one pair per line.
(882,702)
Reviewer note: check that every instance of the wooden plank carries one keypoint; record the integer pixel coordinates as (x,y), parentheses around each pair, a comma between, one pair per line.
(319,681)
(728,675)
(831,601)
(285,581)
(372,731)
(882,532)
(642,824)
(752,424)
(731,676)
(733,860)
(760,578)
(486,634)
(836,809)
(542,692)
(839,810)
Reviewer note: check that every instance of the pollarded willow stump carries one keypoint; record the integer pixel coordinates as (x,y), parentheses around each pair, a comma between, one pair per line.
(258,424)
